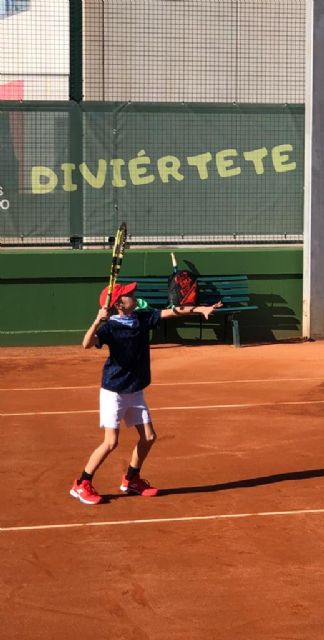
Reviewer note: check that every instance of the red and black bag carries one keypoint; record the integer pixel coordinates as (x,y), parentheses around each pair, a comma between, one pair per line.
(183,288)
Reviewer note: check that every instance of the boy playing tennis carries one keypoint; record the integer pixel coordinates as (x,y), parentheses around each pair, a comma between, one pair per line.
(125,374)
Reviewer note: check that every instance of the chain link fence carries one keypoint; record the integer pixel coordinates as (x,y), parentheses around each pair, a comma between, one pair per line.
(183,117)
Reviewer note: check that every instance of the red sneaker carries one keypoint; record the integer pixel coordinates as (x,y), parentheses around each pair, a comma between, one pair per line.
(139,486)
(85,492)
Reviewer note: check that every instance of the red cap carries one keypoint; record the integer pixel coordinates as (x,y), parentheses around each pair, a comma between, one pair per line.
(118,290)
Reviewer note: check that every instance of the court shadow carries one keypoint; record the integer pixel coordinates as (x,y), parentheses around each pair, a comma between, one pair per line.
(242,484)
(225,486)
(109,497)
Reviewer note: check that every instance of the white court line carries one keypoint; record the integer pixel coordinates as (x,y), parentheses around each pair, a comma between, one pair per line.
(183,408)
(49,413)
(168,384)
(88,386)
(116,523)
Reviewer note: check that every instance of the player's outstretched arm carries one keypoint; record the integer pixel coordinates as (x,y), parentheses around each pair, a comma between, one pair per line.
(90,337)
(187,310)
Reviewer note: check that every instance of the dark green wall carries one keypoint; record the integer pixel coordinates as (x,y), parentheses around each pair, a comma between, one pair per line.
(50,297)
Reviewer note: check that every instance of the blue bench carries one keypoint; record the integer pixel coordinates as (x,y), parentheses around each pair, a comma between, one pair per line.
(232,290)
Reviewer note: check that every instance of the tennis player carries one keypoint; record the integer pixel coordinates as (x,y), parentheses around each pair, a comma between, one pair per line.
(125,374)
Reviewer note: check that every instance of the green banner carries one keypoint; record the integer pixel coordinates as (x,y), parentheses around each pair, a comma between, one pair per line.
(169,170)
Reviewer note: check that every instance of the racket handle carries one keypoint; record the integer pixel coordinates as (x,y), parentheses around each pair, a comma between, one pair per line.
(174,263)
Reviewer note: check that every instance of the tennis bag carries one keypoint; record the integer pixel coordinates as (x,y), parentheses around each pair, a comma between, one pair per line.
(183,288)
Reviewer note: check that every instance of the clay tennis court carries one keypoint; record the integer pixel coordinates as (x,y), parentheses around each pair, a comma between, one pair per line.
(234,545)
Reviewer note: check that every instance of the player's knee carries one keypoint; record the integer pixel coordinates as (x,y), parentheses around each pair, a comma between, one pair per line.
(110,442)
(112,446)
(151,437)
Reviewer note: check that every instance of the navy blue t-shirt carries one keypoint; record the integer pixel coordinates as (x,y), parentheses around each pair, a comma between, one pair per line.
(128,367)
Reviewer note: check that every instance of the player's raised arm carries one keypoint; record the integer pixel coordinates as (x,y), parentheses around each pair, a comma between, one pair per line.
(185,310)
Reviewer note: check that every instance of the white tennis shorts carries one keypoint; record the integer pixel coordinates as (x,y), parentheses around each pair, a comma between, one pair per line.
(130,407)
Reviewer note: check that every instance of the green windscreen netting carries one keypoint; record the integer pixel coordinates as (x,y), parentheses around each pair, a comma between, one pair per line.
(174,172)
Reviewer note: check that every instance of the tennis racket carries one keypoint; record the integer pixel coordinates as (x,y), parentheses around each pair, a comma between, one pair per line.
(117,258)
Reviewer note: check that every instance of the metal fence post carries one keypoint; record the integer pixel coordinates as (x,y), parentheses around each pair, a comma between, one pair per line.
(76,121)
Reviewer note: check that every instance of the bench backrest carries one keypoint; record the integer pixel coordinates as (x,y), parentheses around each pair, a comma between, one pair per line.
(233,290)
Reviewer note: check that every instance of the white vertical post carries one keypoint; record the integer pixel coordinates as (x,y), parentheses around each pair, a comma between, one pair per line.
(308,167)
(314,179)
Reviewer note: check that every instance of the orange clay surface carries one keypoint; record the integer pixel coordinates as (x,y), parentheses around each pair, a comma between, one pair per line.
(232,549)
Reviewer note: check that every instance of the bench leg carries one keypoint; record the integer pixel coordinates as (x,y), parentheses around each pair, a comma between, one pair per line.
(236,332)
